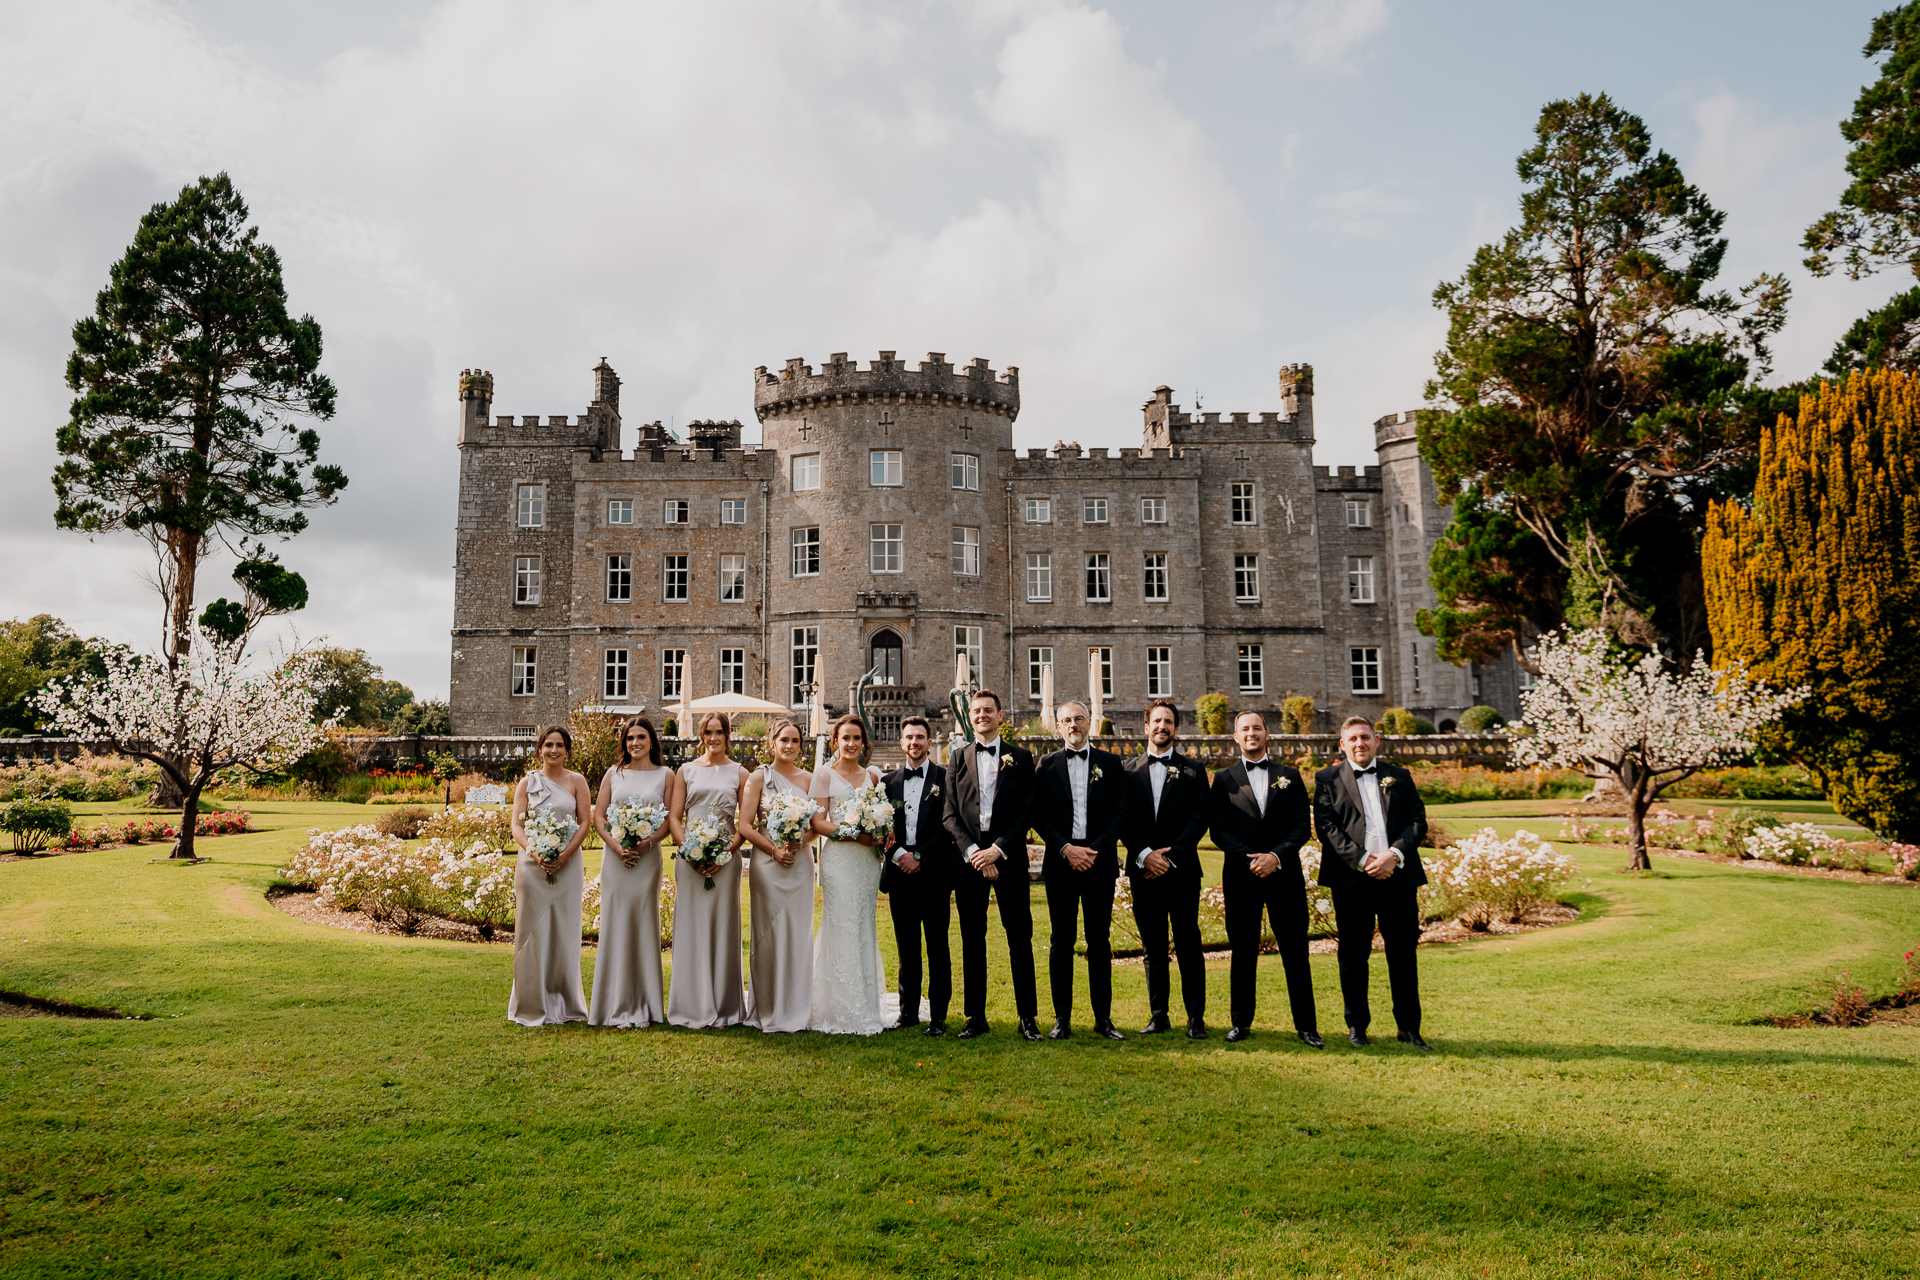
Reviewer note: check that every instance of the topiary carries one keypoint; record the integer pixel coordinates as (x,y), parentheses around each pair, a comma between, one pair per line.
(1210,710)
(1296,715)
(1397,721)
(1481,719)
(1106,726)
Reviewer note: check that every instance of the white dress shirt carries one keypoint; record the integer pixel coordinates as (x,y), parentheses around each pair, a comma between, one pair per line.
(1077,769)
(1259,782)
(1156,778)
(986,775)
(1375,810)
(910,795)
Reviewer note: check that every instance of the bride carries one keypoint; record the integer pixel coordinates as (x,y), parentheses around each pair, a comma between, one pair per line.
(848,982)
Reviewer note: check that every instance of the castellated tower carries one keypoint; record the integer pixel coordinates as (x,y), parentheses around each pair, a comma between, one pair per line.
(892,521)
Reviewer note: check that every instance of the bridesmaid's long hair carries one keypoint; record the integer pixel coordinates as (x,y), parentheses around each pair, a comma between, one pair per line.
(866,743)
(726,730)
(653,740)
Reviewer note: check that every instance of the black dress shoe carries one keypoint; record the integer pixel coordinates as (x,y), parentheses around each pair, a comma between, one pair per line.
(1060,1030)
(974,1027)
(1029,1029)
(1312,1040)
(1107,1030)
(1196,1029)
(1156,1024)
(904,1023)
(935,1029)
(1413,1038)
(1356,1036)
(1236,1034)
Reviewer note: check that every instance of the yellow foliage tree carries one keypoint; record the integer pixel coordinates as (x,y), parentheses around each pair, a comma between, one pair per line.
(1816,581)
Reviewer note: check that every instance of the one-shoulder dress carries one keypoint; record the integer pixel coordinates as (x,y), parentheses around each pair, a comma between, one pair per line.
(780,905)
(546,926)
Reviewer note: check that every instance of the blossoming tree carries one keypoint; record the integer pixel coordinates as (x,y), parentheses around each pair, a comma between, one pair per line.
(204,713)
(1609,714)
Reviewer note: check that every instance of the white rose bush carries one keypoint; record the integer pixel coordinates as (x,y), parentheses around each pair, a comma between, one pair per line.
(1793,844)
(1485,878)
(1612,714)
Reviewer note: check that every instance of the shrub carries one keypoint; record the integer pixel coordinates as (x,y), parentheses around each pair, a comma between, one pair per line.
(474,885)
(1908,992)
(1906,859)
(1579,830)
(1797,844)
(1481,719)
(404,821)
(1731,829)
(1484,878)
(1210,712)
(1847,1003)
(34,824)
(1783,783)
(1666,829)
(354,789)
(671,729)
(1296,715)
(752,727)
(1106,726)
(468,824)
(1455,784)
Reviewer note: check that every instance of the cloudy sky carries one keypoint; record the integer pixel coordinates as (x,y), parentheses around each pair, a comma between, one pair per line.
(1109,197)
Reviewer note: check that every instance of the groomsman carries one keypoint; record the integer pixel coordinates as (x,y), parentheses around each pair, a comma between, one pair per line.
(1079,808)
(1167,815)
(989,791)
(1370,819)
(1260,820)
(918,878)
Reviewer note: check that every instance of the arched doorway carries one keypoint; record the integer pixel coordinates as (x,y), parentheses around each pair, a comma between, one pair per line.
(887,652)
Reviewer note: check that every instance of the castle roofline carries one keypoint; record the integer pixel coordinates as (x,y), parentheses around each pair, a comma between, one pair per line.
(797,387)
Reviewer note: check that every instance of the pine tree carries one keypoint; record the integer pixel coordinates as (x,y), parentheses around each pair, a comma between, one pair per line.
(1816,582)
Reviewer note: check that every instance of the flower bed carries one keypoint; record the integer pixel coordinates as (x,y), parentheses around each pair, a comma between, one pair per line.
(1794,844)
(104,835)
(1485,878)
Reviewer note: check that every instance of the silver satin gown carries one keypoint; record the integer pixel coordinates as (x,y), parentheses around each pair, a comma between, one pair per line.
(707,988)
(628,990)
(780,904)
(546,926)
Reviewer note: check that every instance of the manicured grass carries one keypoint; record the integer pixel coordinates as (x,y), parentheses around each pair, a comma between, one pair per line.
(305,1101)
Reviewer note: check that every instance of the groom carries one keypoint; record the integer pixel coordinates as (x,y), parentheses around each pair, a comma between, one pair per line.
(988,790)
(918,878)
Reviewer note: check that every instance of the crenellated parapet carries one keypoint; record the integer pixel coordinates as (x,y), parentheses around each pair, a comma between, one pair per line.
(797,388)
(1170,426)
(1075,463)
(1336,479)
(1396,427)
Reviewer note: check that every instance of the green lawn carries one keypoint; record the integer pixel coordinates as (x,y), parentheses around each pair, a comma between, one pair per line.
(307,1101)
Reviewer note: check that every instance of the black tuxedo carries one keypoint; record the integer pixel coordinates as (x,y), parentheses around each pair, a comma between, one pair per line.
(1012,795)
(1359,900)
(1242,830)
(1169,902)
(1071,893)
(921,903)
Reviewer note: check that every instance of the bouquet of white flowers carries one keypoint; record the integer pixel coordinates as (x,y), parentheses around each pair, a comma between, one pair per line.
(706,846)
(867,812)
(633,822)
(547,834)
(789,818)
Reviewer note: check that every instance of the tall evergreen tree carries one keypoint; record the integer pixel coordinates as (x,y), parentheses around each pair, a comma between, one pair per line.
(1594,393)
(1816,581)
(191,379)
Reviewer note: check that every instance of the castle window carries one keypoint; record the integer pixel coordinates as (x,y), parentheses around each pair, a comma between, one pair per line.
(532,506)
(673,673)
(884,548)
(1153,576)
(1252,669)
(619,579)
(805,655)
(1099,578)
(806,553)
(1100,660)
(1039,511)
(1093,511)
(1153,511)
(1039,662)
(966,551)
(1246,577)
(733,579)
(1243,502)
(526,579)
(884,469)
(1416,669)
(733,511)
(520,731)
(1359,513)
(674,579)
(673,511)
(966,644)
(806,472)
(963,472)
(1159,671)
(1039,575)
(613,675)
(733,671)
(1360,579)
(1364,664)
(620,511)
(526,671)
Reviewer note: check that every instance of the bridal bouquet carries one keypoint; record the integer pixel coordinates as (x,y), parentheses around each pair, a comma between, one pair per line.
(789,818)
(867,812)
(633,822)
(706,846)
(547,834)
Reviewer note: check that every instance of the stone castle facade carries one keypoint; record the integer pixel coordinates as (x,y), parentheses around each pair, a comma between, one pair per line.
(887,520)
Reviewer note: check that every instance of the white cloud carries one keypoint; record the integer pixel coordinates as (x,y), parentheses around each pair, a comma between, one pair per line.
(1325,31)
(1364,213)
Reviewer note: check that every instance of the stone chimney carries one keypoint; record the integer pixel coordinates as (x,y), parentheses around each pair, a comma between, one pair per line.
(1296,397)
(476,401)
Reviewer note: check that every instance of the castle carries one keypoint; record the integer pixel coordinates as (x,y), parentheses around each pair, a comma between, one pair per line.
(886,520)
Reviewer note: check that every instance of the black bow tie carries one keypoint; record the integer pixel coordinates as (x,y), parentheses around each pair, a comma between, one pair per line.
(1081,754)
(921,772)
(1162,761)
(992,750)
(1368,772)
(1256,764)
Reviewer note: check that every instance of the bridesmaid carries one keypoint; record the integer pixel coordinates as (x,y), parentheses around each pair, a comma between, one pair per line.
(546,917)
(627,990)
(780,978)
(707,989)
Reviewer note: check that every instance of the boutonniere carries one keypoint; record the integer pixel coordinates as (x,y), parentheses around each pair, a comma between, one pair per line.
(1005,761)
(933,790)
(1097,773)
(1387,782)
(1281,783)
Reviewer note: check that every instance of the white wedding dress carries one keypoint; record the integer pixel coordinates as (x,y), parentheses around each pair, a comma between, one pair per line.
(849,986)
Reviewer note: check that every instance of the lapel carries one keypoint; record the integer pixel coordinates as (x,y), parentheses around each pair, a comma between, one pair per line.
(1352,787)
(1243,789)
